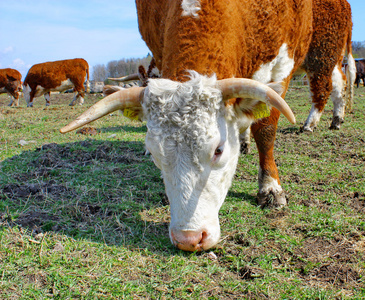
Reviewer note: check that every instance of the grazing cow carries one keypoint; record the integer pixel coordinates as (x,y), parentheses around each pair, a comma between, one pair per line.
(61,75)
(331,39)
(10,82)
(360,71)
(237,51)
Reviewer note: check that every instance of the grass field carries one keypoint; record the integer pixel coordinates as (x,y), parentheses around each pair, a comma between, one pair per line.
(85,216)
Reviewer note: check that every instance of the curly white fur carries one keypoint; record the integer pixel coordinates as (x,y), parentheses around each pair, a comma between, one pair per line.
(181,113)
(190,7)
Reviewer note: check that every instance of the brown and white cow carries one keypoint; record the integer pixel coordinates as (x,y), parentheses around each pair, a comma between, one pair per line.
(331,39)
(11,83)
(194,118)
(360,72)
(61,75)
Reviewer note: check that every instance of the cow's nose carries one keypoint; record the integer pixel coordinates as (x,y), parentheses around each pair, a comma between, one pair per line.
(189,240)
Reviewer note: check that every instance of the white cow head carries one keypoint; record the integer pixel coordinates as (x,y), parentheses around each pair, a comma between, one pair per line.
(193,136)
(26,93)
(193,139)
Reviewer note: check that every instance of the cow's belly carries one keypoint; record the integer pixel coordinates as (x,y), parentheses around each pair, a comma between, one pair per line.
(40,91)
(2,90)
(276,70)
(65,85)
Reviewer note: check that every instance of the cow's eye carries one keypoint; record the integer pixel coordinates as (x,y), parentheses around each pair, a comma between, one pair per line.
(219,150)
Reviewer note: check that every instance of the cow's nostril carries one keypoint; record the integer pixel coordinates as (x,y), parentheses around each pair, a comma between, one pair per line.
(188,240)
(204,235)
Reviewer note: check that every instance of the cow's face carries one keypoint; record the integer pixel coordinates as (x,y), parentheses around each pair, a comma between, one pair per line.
(26,93)
(193,139)
(14,85)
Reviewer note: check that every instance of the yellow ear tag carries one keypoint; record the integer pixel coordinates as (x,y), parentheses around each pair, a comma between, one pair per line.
(131,114)
(261,111)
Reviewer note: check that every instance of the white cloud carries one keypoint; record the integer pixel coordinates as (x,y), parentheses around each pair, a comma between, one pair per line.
(18,63)
(8,50)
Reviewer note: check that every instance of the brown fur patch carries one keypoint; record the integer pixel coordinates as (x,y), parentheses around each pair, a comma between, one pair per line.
(11,81)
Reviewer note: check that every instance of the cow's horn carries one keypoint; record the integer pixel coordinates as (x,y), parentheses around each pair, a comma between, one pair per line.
(248,88)
(118,100)
(126,78)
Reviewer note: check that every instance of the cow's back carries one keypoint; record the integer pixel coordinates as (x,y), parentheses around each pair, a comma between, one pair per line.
(8,72)
(229,38)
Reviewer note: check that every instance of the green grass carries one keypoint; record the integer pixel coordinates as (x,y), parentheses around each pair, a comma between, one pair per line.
(84,217)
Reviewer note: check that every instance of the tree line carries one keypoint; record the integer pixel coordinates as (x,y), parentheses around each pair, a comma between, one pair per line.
(358,49)
(123,67)
(119,68)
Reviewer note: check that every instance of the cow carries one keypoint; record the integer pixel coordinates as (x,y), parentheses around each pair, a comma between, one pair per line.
(61,75)
(331,39)
(360,71)
(11,83)
(241,56)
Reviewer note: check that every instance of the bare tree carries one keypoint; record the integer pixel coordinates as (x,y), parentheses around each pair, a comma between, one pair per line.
(358,49)
(99,73)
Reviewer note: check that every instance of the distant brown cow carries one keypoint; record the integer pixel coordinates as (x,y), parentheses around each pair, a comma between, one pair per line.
(360,72)
(10,82)
(61,75)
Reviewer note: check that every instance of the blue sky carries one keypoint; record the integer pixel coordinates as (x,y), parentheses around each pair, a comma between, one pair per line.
(35,31)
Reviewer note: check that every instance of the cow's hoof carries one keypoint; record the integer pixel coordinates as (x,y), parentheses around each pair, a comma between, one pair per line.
(245,148)
(336,123)
(72,104)
(271,199)
(30,105)
(306,128)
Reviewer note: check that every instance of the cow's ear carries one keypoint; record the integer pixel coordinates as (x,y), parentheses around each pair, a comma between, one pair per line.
(255,109)
(277,87)
(11,78)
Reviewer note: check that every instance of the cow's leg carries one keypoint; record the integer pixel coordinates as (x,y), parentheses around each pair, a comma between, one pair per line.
(78,97)
(337,97)
(349,83)
(11,101)
(31,97)
(245,141)
(320,87)
(47,96)
(73,102)
(81,99)
(270,192)
(14,101)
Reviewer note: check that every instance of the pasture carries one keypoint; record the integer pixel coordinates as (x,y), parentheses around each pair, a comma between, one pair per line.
(83,216)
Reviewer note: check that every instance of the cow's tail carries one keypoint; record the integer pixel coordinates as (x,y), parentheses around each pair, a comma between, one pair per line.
(87,80)
(350,74)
